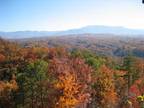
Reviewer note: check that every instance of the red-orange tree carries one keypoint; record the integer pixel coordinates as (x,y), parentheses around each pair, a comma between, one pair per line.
(73,78)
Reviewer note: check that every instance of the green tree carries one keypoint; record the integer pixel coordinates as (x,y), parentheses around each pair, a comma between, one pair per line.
(32,82)
(130,66)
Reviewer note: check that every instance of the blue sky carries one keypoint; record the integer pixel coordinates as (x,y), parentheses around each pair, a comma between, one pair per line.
(52,15)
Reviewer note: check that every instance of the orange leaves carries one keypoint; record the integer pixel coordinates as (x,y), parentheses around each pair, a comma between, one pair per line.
(68,84)
(8,86)
(2,86)
(57,53)
(2,57)
(31,54)
(6,90)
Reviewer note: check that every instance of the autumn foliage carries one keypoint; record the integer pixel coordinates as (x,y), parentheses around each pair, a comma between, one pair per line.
(41,77)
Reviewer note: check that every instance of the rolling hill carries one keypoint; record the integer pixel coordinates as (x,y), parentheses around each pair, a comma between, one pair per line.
(102,44)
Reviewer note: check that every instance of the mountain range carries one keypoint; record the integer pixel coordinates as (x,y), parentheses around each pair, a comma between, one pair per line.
(83,30)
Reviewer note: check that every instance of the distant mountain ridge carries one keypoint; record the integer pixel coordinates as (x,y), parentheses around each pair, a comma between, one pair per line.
(83,30)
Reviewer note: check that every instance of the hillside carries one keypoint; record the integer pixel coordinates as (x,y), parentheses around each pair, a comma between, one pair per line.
(102,44)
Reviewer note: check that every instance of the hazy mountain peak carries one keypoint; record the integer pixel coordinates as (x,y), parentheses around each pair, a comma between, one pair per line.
(92,29)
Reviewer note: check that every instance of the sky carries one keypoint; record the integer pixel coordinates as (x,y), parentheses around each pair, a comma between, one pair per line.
(53,15)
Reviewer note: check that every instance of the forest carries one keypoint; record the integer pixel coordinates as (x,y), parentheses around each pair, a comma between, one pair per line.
(54,77)
(101,44)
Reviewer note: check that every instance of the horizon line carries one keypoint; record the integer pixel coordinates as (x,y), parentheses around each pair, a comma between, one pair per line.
(60,30)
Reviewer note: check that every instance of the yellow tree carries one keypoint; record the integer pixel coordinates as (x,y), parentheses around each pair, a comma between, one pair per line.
(70,88)
(104,94)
